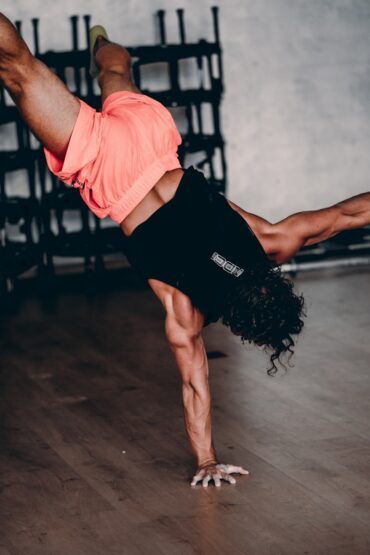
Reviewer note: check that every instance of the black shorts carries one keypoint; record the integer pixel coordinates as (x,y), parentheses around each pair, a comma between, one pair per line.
(195,242)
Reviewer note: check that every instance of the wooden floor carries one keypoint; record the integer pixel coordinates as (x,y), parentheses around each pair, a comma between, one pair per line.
(94,457)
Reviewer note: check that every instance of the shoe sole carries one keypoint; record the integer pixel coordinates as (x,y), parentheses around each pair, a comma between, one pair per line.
(94,33)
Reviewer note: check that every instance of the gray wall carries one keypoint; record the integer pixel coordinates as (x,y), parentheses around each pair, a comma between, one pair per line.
(295,113)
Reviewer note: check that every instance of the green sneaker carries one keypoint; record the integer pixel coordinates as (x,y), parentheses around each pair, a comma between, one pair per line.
(95,32)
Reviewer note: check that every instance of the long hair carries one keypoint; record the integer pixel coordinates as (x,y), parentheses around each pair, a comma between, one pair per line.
(263,309)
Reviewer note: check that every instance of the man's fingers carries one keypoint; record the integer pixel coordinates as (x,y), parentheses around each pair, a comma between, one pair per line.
(229,468)
(197,477)
(224,471)
(206,478)
(232,468)
(228,478)
(217,479)
(205,481)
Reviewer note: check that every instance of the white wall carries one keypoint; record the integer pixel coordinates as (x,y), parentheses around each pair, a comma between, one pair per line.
(295,114)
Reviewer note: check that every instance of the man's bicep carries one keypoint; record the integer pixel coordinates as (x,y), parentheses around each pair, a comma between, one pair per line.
(187,345)
(184,321)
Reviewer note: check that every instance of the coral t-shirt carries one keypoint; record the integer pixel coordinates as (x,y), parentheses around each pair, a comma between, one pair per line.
(117,155)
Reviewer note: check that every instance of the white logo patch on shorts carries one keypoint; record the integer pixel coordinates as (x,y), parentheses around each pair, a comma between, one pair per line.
(226,265)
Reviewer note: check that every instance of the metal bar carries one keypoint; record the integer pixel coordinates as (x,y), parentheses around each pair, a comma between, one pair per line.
(215,12)
(215,23)
(174,76)
(35,25)
(76,68)
(323,264)
(87,19)
(74,19)
(180,15)
(90,86)
(162,28)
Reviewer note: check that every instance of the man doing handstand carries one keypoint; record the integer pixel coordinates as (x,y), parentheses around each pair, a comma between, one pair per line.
(205,257)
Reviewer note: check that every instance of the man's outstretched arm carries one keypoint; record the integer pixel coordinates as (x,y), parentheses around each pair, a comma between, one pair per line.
(314,226)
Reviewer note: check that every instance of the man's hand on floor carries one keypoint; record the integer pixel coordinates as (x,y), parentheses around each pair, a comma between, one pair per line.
(217,472)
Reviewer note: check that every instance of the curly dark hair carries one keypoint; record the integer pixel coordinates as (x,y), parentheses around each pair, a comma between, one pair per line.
(262,308)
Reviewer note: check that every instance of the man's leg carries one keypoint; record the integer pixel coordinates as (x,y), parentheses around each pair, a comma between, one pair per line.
(114,62)
(48,107)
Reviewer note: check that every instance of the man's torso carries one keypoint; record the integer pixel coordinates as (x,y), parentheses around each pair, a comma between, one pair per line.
(163,191)
(160,194)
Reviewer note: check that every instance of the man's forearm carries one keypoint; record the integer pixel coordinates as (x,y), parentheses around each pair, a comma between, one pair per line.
(193,365)
(351,213)
(356,209)
(314,226)
(198,423)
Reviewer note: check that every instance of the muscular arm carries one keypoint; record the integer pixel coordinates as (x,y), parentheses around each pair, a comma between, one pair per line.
(183,326)
(188,348)
(313,226)
(282,240)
